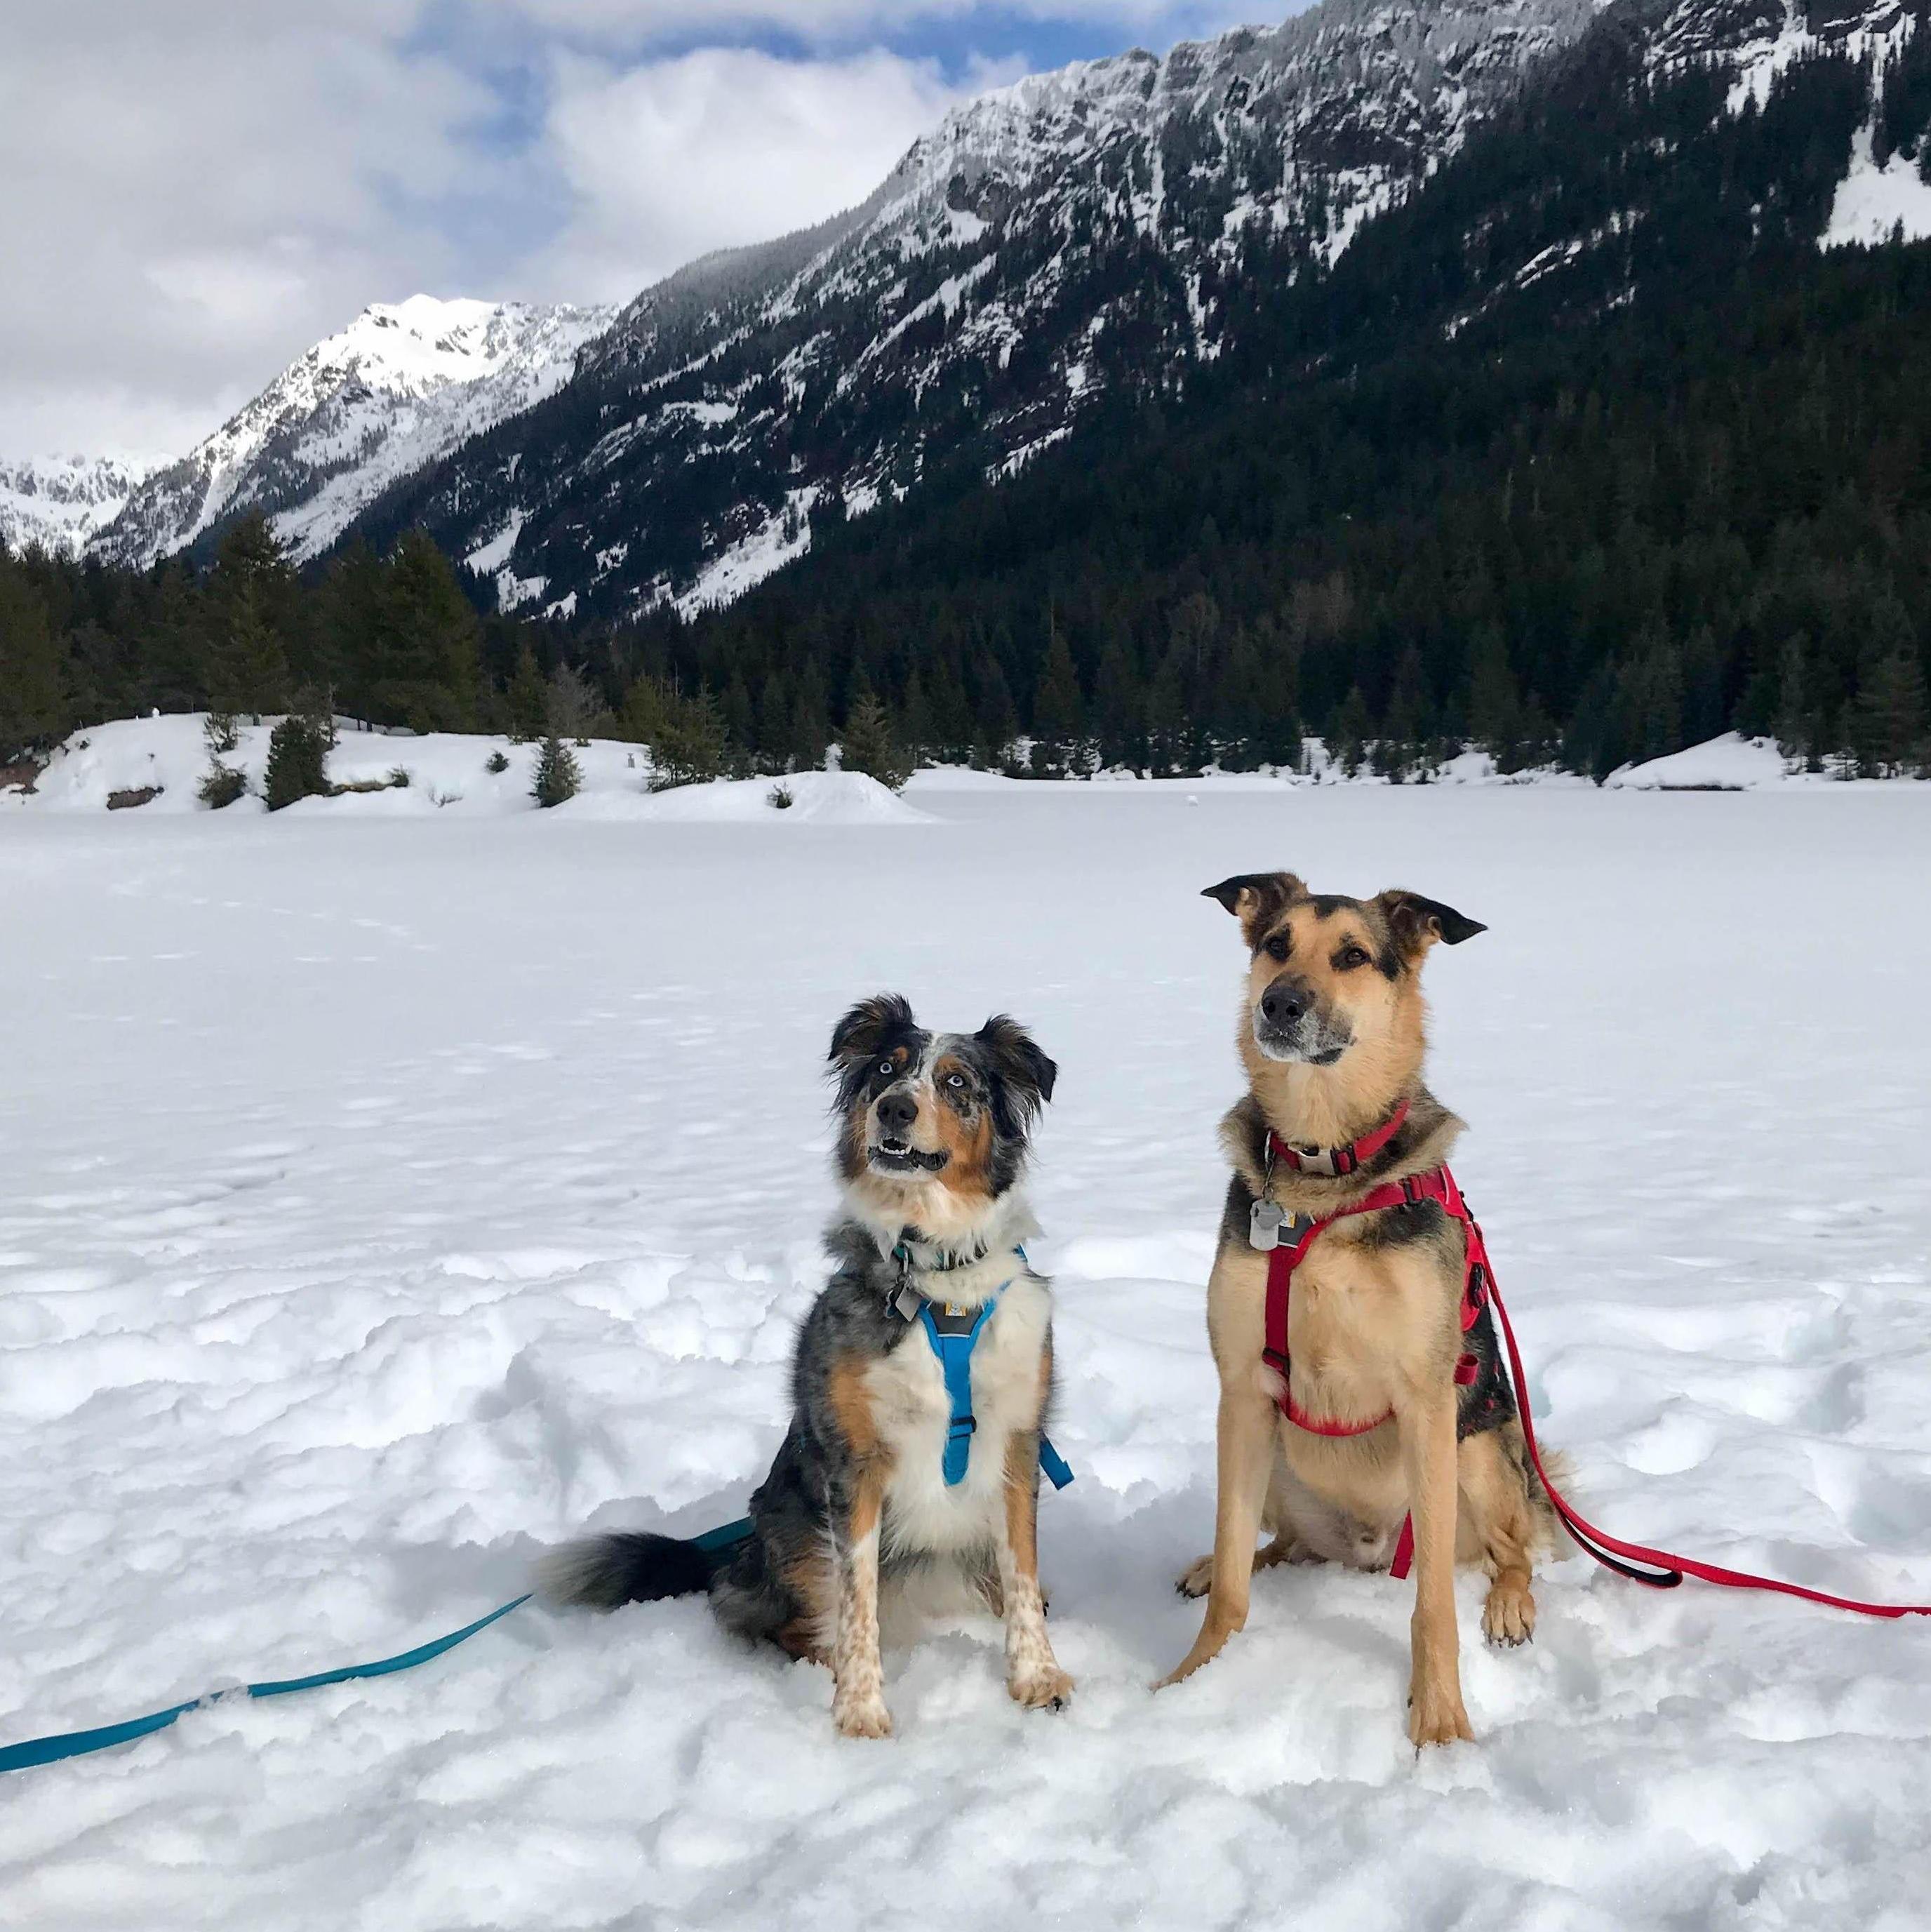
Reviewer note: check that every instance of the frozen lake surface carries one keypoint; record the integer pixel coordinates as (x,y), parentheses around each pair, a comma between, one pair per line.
(386,1196)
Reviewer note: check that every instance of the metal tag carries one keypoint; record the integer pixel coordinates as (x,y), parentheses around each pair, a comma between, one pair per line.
(1263,1226)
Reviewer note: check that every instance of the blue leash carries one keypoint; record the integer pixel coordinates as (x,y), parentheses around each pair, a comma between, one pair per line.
(78,1744)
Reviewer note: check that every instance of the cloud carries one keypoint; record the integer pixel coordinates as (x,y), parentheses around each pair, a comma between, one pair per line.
(198,190)
(667,161)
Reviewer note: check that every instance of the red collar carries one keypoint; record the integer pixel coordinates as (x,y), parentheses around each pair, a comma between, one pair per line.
(1336,1162)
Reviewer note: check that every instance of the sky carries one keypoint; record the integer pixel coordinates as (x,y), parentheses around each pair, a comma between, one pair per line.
(199,190)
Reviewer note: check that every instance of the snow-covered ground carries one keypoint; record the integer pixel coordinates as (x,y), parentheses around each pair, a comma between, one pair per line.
(384,1201)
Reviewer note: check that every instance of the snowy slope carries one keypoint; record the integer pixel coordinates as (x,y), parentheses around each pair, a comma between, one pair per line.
(401,386)
(60,503)
(446,772)
(378,1208)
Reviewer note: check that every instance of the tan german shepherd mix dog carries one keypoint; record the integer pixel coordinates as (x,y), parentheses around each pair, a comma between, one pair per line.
(1333,1037)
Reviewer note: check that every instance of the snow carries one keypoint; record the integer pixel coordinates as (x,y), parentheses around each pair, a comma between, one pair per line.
(1731,763)
(446,769)
(487,560)
(386,1200)
(746,563)
(1873,203)
(823,798)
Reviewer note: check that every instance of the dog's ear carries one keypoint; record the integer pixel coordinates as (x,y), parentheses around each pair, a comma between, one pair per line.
(1023,1075)
(1257,899)
(869,1028)
(1416,923)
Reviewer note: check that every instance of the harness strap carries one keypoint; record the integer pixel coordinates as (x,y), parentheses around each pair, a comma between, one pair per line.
(1299,1234)
(955,1352)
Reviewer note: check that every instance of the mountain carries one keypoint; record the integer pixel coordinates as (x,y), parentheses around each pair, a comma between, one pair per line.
(1077,232)
(59,503)
(400,386)
(1607,438)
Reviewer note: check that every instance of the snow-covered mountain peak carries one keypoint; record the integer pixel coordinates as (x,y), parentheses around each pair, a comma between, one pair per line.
(403,384)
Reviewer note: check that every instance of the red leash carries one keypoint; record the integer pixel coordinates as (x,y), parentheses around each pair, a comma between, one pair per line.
(1671,1569)
(1665,1570)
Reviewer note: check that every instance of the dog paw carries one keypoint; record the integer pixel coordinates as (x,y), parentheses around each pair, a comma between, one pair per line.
(861,1717)
(1436,1716)
(1509,1616)
(1041,1690)
(1196,1579)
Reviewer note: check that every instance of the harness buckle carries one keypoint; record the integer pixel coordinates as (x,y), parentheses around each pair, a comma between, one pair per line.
(1476,1291)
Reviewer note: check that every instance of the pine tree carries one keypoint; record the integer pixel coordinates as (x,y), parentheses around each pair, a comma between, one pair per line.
(740,720)
(691,744)
(430,664)
(558,775)
(33,702)
(1348,732)
(1886,721)
(1059,713)
(642,719)
(297,762)
(254,590)
(776,724)
(1494,708)
(811,724)
(1796,733)
(866,743)
(1119,708)
(1405,730)
(915,720)
(529,698)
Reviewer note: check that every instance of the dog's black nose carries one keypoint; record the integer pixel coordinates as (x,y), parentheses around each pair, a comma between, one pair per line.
(898,1113)
(1285,1003)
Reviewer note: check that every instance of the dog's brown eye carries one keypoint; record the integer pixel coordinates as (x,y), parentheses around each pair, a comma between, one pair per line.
(1351,957)
(1276,948)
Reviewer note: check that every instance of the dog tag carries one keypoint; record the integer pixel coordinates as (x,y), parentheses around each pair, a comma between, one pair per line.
(1263,1226)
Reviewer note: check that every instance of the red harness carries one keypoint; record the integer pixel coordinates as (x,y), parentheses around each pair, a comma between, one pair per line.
(1478,1291)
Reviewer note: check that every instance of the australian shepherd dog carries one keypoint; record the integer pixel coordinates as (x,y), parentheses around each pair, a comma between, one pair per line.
(863,1494)
(1388,1409)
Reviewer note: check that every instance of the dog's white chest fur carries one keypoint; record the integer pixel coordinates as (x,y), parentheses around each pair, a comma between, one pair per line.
(913,1412)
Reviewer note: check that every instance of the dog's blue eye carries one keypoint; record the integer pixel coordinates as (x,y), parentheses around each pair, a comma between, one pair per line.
(955,1080)
(888,1067)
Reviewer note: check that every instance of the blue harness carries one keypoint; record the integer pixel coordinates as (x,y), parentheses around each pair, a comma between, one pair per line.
(954,1351)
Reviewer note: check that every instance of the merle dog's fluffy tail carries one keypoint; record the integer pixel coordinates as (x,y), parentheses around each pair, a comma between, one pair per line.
(628,1566)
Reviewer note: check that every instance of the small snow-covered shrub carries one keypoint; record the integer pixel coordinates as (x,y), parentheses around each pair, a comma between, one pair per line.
(495,764)
(398,779)
(222,730)
(781,798)
(221,785)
